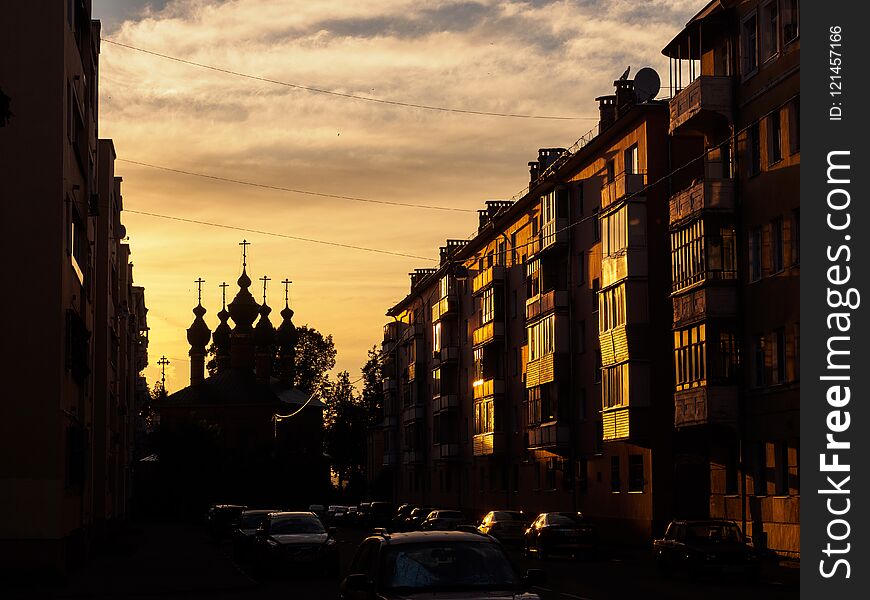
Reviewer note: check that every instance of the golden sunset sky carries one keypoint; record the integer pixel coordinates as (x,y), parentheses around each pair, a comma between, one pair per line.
(536,57)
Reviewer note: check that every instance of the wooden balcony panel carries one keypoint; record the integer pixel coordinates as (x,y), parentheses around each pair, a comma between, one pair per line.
(707,194)
(487,388)
(488,444)
(707,95)
(626,184)
(630,263)
(486,278)
(706,405)
(706,302)
(545,303)
(549,436)
(488,333)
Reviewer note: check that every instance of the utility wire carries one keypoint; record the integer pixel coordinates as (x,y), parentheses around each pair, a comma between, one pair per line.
(274,234)
(343,94)
(293,190)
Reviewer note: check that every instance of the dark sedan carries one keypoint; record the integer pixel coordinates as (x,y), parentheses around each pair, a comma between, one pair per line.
(412,523)
(708,546)
(442,520)
(221,518)
(296,539)
(244,533)
(560,533)
(507,526)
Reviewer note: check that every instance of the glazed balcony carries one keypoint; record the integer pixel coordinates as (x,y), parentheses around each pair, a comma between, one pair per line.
(707,194)
(445,401)
(486,278)
(545,303)
(554,234)
(486,388)
(390,385)
(551,436)
(706,405)
(700,303)
(414,412)
(624,184)
(446,355)
(393,331)
(695,108)
(416,370)
(488,333)
(446,307)
(488,444)
(547,369)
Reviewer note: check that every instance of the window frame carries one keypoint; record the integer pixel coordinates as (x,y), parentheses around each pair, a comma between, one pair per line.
(745,72)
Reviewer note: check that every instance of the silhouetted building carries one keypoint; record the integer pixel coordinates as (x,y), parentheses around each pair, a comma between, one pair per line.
(219,438)
(735,247)
(65,429)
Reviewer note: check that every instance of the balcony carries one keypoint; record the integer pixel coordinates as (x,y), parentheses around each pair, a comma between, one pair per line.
(707,194)
(486,388)
(488,444)
(445,401)
(615,344)
(446,355)
(414,412)
(706,405)
(391,458)
(410,457)
(547,302)
(446,307)
(549,436)
(622,265)
(416,370)
(486,278)
(389,384)
(414,330)
(392,331)
(624,184)
(705,302)
(488,333)
(697,106)
(616,424)
(546,369)
(553,234)
(390,420)
(448,451)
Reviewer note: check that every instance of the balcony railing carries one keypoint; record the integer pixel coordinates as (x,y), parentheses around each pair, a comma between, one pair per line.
(485,388)
(705,302)
(414,412)
(392,331)
(487,444)
(707,95)
(549,436)
(706,405)
(616,424)
(445,307)
(445,401)
(446,354)
(707,194)
(547,302)
(486,278)
(389,384)
(624,184)
(489,332)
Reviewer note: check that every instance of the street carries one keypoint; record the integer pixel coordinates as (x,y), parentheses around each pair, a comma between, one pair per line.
(178,561)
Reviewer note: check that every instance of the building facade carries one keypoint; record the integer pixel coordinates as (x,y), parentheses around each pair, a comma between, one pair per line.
(65,449)
(736,267)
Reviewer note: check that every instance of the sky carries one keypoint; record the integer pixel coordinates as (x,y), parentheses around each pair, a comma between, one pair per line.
(535,57)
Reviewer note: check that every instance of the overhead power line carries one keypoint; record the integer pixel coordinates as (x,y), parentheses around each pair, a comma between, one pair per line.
(317,90)
(293,190)
(274,234)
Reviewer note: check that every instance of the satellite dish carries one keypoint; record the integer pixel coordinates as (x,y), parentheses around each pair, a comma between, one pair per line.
(646,84)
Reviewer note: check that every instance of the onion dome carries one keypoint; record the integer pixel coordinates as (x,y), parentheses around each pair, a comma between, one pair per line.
(243,308)
(222,332)
(264,332)
(198,334)
(287,335)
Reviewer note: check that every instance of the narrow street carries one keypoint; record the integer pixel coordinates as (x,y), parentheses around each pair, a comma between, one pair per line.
(170,561)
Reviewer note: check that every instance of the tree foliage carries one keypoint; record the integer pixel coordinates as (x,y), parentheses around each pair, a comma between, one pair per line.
(344,420)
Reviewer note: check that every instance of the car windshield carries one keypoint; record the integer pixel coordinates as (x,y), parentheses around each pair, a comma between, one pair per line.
(448,566)
(252,520)
(713,533)
(448,514)
(507,515)
(562,520)
(300,524)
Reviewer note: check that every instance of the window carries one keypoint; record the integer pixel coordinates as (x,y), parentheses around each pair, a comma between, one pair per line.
(488,306)
(776,245)
(447,286)
(436,337)
(753,142)
(687,255)
(542,338)
(615,483)
(581,268)
(769,30)
(541,409)
(614,232)
(749,41)
(477,368)
(690,357)
(631,160)
(484,417)
(612,307)
(790,21)
(436,382)
(635,473)
(610,171)
(553,206)
(722,254)
(727,357)
(755,254)
(614,386)
(596,227)
(533,278)
(760,350)
(774,138)
(794,126)
(78,244)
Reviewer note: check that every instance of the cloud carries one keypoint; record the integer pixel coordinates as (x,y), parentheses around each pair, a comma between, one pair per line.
(535,57)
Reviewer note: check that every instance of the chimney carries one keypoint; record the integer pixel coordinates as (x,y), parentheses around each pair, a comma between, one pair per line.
(533,173)
(625,96)
(606,112)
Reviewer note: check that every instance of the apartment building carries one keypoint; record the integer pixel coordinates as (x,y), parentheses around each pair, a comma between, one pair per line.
(735,246)
(64,452)
(525,370)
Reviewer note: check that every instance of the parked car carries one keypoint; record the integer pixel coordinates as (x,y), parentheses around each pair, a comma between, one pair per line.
(705,546)
(330,512)
(560,533)
(401,515)
(507,526)
(221,518)
(380,514)
(442,520)
(339,515)
(412,523)
(296,539)
(319,510)
(463,565)
(244,531)
(363,513)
